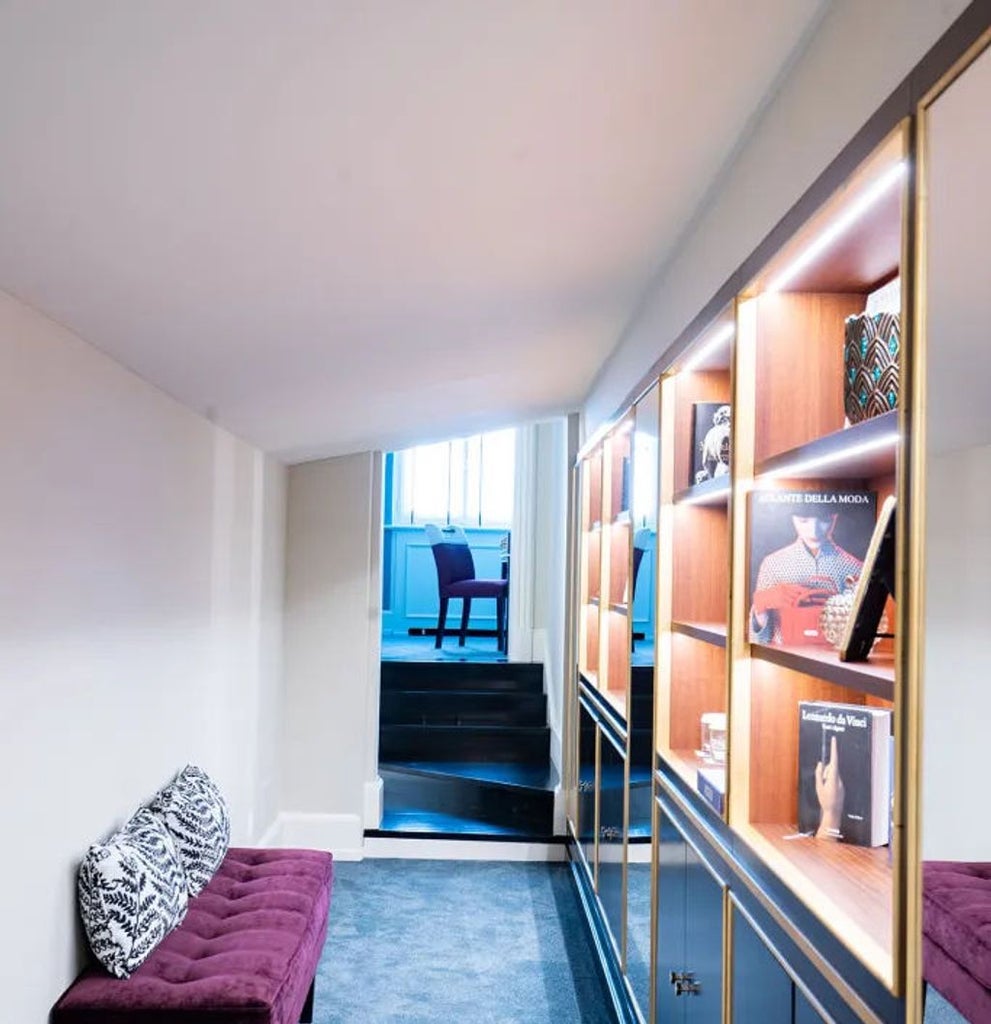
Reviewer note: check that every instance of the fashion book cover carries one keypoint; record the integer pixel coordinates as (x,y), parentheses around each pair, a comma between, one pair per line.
(805,546)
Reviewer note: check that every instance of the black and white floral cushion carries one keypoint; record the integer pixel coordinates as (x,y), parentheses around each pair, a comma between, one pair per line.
(132,893)
(195,812)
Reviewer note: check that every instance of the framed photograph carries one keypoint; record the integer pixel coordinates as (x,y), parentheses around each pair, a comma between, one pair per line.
(876,583)
(710,441)
(805,546)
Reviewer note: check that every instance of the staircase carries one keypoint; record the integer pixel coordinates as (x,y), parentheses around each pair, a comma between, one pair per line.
(464,750)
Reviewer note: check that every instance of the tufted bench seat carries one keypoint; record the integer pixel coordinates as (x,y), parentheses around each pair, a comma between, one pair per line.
(956,934)
(246,952)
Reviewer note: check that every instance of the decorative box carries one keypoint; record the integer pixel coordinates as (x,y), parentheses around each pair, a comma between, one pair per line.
(871,365)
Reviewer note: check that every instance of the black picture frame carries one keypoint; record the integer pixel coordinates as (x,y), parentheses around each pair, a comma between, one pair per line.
(876,583)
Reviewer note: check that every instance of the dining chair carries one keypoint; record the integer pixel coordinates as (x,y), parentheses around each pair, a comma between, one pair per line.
(456,578)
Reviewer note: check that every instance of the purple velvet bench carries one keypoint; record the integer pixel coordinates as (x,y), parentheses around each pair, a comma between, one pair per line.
(246,953)
(956,934)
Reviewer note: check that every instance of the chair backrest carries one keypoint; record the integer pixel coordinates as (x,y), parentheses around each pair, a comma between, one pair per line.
(452,555)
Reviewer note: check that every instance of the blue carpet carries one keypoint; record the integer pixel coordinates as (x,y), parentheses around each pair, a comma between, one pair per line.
(463,942)
(939,1011)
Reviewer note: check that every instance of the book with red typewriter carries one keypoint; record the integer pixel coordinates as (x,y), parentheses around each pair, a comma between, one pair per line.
(805,547)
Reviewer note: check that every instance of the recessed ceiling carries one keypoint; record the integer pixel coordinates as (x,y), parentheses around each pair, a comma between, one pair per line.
(334,226)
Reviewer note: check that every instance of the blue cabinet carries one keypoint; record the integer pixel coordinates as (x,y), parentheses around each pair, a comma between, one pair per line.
(588,734)
(762,990)
(689,916)
(612,850)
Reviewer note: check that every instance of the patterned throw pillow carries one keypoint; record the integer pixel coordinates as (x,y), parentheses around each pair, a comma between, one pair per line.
(132,893)
(195,812)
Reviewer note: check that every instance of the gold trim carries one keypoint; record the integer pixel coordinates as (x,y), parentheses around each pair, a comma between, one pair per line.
(737,908)
(809,951)
(654,833)
(727,1015)
(737,807)
(955,70)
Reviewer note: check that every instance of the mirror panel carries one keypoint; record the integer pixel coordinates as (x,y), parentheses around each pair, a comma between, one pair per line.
(644,511)
(957,311)
(612,774)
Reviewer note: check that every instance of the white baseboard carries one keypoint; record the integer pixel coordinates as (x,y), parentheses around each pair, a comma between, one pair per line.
(373,802)
(342,834)
(462,849)
(638,853)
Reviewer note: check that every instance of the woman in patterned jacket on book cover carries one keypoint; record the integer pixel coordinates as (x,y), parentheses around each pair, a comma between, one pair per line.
(795,581)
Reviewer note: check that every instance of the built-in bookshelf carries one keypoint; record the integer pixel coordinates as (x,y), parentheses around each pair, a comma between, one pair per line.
(792,435)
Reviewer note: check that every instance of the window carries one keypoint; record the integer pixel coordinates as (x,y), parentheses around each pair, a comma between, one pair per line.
(468,481)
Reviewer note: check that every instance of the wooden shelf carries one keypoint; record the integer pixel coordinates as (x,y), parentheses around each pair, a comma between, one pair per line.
(711,492)
(707,632)
(617,700)
(848,887)
(843,451)
(875,676)
(623,518)
(619,608)
(684,763)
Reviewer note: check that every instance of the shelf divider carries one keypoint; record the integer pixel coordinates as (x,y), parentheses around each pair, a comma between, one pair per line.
(862,450)
(708,632)
(875,676)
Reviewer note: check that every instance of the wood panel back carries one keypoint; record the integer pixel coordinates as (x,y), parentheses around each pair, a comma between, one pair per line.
(618,666)
(700,563)
(619,562)
(800,367)
(703,386)
(774,696)
(698,684)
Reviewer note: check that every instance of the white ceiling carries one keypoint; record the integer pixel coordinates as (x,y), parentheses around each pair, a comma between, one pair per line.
(333,225)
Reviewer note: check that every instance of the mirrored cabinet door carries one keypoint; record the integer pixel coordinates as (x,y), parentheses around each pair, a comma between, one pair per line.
(587,786)
(644,592)
(611,835)
(955,474)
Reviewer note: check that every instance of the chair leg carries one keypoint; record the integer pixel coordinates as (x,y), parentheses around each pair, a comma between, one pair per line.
(465,613)
(501,624)
(441,621)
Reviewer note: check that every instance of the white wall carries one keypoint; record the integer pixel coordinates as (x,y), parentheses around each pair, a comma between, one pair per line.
(550,498)
(860,53)
(332,621)
(957,678)
(140,574)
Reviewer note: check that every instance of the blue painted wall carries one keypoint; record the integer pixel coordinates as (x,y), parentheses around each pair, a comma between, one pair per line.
(409,580)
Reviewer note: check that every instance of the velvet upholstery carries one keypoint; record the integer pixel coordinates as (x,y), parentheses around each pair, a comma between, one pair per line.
(245,954)
(956,925)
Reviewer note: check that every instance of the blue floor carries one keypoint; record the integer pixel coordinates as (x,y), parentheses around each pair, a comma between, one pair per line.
(458,942)
(421,648)
(939,1011)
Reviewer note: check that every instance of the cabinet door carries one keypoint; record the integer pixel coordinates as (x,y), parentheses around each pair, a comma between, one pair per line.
(612,849)
(703,941)
(761,989)
(587,786)
(804,1011)
(670,918)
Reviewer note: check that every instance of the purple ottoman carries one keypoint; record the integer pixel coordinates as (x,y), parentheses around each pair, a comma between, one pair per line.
(956,934)
(246,952)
